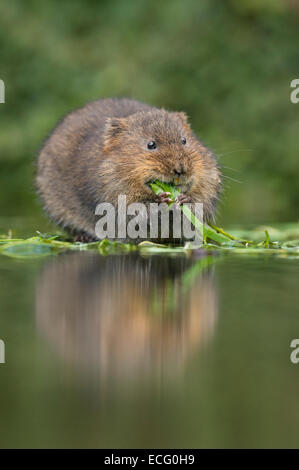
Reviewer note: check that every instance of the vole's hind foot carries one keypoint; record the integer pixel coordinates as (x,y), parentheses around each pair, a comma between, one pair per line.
(83,238)
(182,199)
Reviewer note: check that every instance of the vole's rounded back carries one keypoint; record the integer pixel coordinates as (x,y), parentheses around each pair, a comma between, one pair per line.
(116,146)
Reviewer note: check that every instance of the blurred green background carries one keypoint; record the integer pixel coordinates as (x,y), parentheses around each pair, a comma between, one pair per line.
(228,64)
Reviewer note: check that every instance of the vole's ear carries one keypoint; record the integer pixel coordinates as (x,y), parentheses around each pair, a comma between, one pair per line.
(113,129)
(182,118)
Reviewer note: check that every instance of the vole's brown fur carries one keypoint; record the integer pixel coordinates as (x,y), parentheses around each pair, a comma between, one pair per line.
(100,151)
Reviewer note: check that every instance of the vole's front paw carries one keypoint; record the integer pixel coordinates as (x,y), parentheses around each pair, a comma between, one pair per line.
(163,197)
(183,199)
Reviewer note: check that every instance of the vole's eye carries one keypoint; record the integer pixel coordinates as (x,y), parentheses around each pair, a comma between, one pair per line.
(183,140)
(151,145)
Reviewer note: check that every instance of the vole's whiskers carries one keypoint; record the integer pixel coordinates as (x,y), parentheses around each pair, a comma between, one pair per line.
(230,168)
(232,179)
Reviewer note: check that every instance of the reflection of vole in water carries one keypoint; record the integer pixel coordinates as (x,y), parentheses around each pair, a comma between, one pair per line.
(116,147)
(124,315)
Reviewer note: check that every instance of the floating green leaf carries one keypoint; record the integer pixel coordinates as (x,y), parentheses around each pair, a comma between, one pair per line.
(25,250)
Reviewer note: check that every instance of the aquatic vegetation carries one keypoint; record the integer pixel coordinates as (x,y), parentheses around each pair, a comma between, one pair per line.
(270,241)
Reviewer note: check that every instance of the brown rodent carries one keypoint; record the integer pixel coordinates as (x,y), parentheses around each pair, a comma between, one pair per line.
(117,146)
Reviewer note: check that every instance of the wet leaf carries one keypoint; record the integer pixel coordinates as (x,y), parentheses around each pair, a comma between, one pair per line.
(25,250)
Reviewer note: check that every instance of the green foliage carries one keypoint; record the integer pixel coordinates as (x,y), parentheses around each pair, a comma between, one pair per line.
(227,64)
(280,244)
(205,231)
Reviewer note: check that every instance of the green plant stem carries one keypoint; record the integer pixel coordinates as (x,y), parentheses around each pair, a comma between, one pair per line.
(218,236)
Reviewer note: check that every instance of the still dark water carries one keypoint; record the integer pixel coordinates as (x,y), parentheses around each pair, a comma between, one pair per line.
(149,351)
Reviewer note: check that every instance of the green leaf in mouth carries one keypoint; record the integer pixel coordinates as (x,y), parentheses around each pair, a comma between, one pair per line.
(212,233)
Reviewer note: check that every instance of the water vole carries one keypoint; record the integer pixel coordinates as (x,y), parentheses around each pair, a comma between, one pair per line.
(117,146)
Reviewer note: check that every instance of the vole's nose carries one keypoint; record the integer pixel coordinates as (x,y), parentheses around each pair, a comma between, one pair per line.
(179,170)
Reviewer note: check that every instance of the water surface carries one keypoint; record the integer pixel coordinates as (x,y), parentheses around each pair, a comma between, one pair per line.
(149,351)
